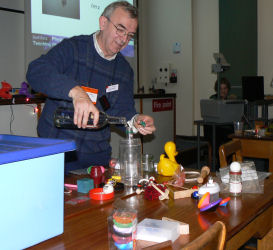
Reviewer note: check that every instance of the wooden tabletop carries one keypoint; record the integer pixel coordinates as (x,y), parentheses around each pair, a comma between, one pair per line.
(85,224)
(251,137)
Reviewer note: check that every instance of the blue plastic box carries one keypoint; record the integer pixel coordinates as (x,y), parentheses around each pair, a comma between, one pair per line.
(31,189)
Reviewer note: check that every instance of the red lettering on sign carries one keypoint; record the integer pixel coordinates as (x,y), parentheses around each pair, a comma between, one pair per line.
(162,104)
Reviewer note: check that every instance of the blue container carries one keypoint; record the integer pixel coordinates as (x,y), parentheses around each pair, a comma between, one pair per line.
(31,189)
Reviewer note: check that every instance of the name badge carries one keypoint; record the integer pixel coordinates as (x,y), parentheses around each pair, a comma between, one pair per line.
(92,93)
(112,88)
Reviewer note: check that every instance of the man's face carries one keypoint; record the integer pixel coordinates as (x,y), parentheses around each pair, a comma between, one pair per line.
(223,91)
(110,42)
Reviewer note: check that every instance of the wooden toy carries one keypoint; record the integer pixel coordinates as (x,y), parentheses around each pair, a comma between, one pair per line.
(204,173)
(183,228)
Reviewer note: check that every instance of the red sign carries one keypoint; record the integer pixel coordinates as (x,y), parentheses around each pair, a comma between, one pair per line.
(162,104)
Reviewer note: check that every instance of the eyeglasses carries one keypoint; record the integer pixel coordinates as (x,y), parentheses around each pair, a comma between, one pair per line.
(122,32)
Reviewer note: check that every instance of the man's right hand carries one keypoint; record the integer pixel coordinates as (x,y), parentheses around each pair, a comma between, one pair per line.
(83,106)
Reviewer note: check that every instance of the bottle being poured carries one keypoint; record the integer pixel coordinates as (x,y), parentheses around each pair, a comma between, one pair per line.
(63,118)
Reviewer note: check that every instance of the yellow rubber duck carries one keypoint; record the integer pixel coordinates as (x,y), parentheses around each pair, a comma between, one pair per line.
(168,166)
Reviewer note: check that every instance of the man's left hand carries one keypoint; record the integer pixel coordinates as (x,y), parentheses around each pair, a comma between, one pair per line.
(144,124)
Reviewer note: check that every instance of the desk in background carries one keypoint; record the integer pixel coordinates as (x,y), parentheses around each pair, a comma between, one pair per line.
(256,147)
(251,111)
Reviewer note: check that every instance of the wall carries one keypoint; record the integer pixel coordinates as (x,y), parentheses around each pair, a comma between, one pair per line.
(205,43)
(12,56)
(265,43)
(162,23)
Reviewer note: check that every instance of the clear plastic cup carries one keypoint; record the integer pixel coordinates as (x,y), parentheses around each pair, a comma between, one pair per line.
(148,162)
(238,127)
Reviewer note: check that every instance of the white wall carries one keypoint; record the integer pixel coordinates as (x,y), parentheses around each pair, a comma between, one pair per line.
(162,23)
(265,46)
(205,43)
(12,62)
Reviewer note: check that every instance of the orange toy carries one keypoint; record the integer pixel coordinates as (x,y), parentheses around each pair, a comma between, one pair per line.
(4,91)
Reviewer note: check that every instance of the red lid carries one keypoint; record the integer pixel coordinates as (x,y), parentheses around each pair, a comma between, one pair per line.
(97,194)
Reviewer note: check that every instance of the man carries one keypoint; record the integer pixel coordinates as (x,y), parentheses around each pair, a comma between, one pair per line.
(96,63)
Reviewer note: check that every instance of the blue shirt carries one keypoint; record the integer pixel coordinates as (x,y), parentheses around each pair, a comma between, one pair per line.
(75,62)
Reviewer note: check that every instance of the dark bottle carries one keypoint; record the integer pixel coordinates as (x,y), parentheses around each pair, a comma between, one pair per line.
(63,118)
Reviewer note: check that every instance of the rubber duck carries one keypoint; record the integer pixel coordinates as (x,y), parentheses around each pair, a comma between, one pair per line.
(168,166)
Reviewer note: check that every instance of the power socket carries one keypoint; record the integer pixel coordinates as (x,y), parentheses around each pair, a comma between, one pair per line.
(163,73)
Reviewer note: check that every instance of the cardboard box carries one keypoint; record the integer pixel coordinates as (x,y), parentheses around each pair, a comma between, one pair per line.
(32,189)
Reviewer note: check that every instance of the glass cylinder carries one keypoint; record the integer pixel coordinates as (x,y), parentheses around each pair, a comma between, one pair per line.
(122,225)
(130,160)
(148,163)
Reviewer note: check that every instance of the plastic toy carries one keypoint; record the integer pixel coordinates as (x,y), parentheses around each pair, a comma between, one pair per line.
(224,202)
(24,90)
(98,194)
(85,185)
(211,206)
(4,91)
(168,166)
(204,201)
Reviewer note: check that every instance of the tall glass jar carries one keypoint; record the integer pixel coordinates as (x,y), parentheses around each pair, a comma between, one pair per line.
(235,179)
(130,159)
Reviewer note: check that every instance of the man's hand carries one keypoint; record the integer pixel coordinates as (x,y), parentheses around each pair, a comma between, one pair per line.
(144,124)
(83,106)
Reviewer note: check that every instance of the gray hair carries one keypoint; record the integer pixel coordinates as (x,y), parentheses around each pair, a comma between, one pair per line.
(132,10)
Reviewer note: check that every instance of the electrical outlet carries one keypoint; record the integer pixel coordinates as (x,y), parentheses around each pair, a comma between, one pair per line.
(163,73)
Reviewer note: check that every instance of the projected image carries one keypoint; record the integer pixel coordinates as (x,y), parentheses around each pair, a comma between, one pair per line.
(62,8)
(54,20)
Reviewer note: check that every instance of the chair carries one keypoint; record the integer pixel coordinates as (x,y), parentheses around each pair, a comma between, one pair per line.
(213,238)
(231,148)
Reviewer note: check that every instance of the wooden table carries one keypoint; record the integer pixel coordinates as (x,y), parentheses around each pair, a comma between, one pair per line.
(256,147)
(85,224)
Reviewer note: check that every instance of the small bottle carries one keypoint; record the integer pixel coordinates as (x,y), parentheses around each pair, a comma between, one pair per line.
(63,118)
(235,179)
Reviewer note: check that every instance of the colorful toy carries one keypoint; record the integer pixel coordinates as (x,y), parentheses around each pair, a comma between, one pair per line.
(122,228)
(4,91)
(168,166)
(204,201)
(224,202)
(24,90)
(211,206)
(153,191)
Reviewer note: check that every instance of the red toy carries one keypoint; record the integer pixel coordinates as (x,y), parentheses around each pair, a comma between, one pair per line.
(4,91)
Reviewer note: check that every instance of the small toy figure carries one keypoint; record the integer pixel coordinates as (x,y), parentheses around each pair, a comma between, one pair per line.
(24,90)
(4,91)
(168,166)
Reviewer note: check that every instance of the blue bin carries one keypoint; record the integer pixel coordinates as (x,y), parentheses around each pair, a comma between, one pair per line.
(32,189)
